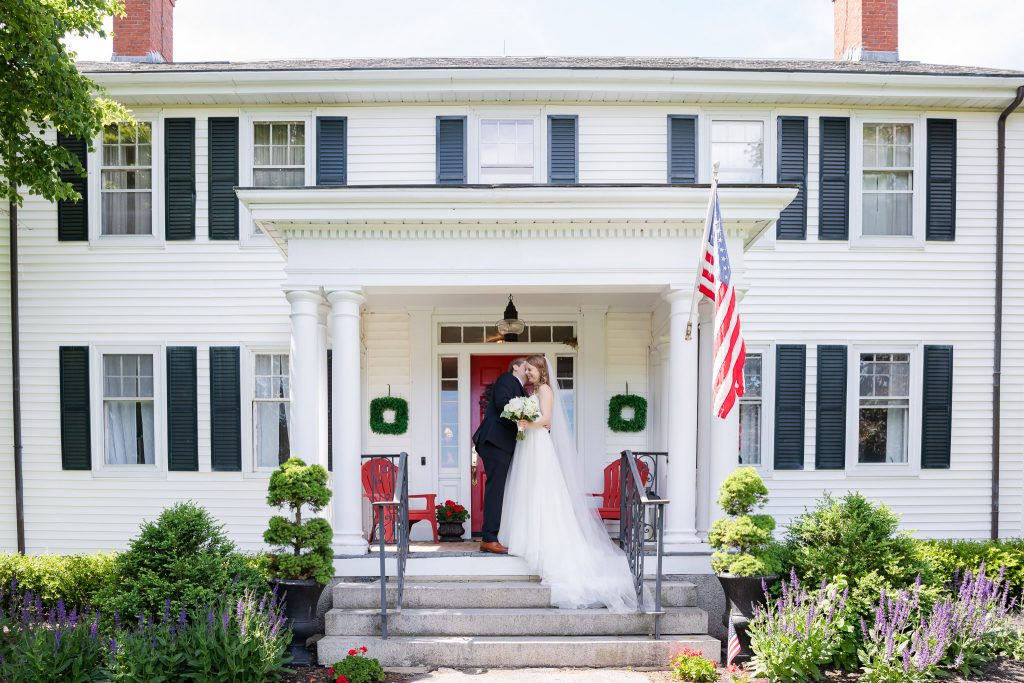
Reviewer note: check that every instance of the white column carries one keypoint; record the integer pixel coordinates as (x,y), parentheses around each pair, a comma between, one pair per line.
(303,412)
(706,494)
(346,432)
(663,352)
(323,313)
(680,519)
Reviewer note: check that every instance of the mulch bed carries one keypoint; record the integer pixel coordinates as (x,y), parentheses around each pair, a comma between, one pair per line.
(318,674)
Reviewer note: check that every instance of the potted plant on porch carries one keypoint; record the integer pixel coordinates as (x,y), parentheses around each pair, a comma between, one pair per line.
(302,561)
(450,520)
(746,556)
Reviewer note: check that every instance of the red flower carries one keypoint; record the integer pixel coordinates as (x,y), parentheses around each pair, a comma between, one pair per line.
(330,670)
(353,653)
(363,648)
(341,679)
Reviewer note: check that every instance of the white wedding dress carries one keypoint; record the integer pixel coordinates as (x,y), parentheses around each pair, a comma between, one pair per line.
(546,520)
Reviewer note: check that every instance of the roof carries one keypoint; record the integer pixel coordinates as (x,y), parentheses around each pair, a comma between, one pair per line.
(595,63)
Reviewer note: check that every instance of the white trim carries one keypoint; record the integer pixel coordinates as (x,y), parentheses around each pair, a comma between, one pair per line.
(707,116)
(913,465)
(857,238)
(100,467)
(94,162)
(767,353)
(247,378)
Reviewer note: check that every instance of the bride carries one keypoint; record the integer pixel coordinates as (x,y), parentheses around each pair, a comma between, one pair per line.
(546,519)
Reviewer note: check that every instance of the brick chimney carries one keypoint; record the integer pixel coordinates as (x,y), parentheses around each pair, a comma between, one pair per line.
(866,30)
(145,33)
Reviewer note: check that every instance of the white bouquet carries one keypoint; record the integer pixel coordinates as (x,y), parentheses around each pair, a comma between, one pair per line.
(522,408)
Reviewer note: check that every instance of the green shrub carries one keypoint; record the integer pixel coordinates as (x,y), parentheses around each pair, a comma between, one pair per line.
(302,549)
(951,558)
(74,578)
(358,668)
(184,555)
(743,542)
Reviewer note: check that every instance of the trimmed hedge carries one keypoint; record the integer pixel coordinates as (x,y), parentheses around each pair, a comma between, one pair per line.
(75,578)
(950,557)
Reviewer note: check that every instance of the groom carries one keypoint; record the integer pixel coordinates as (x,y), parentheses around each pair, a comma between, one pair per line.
(495,442)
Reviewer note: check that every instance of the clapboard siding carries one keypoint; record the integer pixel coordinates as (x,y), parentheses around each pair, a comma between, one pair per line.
(627,342)
(859,297)
(8,532)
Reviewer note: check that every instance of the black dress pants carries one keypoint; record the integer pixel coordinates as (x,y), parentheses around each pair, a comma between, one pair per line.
(496,465)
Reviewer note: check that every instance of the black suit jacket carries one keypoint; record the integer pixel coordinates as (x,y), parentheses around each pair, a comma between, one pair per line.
(494,429)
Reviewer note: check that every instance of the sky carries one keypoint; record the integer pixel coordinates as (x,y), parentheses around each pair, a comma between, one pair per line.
(964,32)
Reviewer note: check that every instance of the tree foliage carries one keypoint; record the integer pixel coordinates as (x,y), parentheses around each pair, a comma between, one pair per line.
(42,91)
(295,485)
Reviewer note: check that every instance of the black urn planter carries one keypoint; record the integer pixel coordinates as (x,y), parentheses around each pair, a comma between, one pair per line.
(451,531)
(300,599)
(743,595)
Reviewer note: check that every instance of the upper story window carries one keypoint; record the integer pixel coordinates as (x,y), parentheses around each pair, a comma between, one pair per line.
(888,179)
(884,408)
(506,151)
(738,147)
(128,409)
(271,409)
(751,408)
(279,154)
(127,179)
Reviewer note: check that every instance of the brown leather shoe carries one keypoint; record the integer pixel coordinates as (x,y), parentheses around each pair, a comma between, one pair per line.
(493,547)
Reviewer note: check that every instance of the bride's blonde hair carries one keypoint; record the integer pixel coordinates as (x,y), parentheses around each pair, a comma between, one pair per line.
(538,362)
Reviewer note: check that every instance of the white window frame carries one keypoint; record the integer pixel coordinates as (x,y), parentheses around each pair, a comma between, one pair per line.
(913,464)
(248,391)
(100,467)
(249,235)
(540,131)
(95,191)
(706,118)
(767,353)
(918,202)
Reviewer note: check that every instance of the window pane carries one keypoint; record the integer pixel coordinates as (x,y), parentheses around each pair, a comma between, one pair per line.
(738,147)
(289,177)
(540,333)
(472,335)
(750,433)
(561,333)
(883,435)
(752,376)
(272,434)
(451,334)
(261,133)
(887,213)
(450,368)
(128,434)
(448,426)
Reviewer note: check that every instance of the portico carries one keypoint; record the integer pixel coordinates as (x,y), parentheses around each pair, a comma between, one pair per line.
(568,250)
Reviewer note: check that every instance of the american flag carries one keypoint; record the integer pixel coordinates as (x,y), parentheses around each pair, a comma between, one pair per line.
(715,282)
(732,647)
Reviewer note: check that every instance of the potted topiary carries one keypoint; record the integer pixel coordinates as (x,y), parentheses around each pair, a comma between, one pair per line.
(450,520)
(302,561)
(746,556)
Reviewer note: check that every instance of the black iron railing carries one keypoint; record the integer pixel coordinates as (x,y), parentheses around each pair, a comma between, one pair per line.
(636,532)
(392,515)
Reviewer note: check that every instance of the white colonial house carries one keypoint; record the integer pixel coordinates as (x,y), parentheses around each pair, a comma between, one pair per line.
(278,243)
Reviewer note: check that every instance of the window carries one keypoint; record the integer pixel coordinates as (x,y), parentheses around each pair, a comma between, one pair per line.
(738,147)
(449,412)
(751,409)
(565,371)
(279,154)
(270,410)
(884,408)
(128,409)
(888,179)
(506,151)
(127,180)
(479,334)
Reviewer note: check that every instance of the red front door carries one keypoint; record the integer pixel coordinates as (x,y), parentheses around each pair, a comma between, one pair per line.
(483,371)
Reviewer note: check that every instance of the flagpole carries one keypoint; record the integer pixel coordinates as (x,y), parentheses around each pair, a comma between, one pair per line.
(700,255)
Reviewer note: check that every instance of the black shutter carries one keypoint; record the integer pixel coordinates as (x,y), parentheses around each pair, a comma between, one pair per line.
(830,425)
(331,150)
(451,150)
(563,143)
(225,409)
(73,217)
(834,179)
(223,203)
(75,432)
(937,408)
(330,411)
(940,224)
(790,374)
(180,178)
(182,410)
(682,149)
(792,224)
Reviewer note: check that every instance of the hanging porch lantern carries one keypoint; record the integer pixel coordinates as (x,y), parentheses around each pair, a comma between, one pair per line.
(510,326)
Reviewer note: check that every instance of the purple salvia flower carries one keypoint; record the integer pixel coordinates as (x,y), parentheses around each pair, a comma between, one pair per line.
(263,600)
(172,631)
(57,635)
(209,620)
(238,609)
(241,628)
(906,660)
(864,628)
(142,619)
(93,629)
(226,619)
(61,609)
(73,617)
(117,621)
(182,618)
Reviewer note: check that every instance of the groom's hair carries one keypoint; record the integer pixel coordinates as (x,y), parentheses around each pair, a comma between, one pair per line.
(516,363)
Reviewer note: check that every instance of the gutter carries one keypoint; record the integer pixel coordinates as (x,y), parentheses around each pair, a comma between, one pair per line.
(19,482)
(997,366)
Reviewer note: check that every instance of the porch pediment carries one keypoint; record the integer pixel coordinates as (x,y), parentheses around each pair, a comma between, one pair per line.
(483,211)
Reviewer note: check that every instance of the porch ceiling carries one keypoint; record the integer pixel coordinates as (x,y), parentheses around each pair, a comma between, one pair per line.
(475,211)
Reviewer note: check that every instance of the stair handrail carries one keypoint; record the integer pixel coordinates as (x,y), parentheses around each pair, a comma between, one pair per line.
(400,530)
(634,531)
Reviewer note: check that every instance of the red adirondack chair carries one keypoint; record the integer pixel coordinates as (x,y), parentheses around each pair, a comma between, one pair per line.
(611,497)
(379,476)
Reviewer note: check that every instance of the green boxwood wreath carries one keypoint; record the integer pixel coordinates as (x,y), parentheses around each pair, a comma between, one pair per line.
(617,423)
(377,422)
